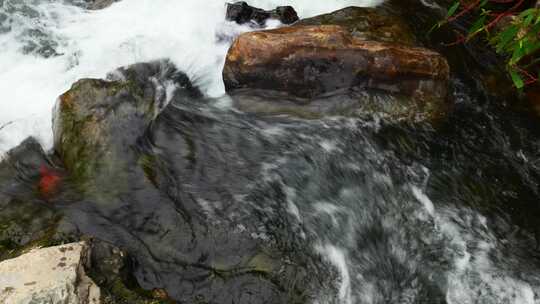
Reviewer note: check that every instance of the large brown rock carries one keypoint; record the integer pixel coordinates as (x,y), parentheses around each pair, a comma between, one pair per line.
(351,62)
(308,61)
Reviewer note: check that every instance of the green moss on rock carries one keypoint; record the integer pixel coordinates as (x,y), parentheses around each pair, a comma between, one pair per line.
(25,226)
(366,23)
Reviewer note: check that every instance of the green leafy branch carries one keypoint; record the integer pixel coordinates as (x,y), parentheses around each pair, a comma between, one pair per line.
(513,33)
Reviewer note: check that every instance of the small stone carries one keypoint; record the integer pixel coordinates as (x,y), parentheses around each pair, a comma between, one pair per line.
(99,4)
(242,13)
(160,294)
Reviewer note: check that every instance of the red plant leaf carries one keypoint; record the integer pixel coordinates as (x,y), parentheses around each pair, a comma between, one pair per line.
(49,182)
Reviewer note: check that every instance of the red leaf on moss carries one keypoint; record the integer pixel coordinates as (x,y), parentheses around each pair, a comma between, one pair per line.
(49,182)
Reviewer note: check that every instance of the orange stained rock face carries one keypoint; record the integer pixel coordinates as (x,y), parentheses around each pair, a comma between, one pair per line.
(49,182)
(310,58)
(263,47)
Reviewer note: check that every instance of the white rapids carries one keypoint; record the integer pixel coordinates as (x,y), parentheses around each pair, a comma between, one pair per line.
(92,43)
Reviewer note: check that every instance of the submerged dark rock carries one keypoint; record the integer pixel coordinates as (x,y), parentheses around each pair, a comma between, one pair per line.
(95,4)
(353,102)
(33,37)
(100,4)
(4,23)
(38,42)
(242,13)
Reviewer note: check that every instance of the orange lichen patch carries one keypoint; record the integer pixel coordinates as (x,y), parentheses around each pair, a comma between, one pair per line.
(66,99)
(49,182)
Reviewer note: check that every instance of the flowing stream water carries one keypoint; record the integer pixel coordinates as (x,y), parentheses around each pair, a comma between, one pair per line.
(391,213)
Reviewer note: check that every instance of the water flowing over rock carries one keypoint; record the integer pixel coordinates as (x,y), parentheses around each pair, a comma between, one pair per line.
(310,61)
(49,275)
(241,13)
(197,214)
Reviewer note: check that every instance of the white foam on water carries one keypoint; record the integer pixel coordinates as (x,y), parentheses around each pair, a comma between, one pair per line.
(93,43)
(479,279)
(424,199)
(474,278)
(338,258)
(328,209)
(330,146)
(292,208)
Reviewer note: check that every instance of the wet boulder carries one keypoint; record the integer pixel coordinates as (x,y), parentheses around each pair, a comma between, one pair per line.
(354,61)
(355,102)
(241,13)
(97,120)
(49,275)
(312,61)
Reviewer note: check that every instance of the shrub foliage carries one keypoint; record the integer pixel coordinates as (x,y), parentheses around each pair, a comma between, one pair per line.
(514,32)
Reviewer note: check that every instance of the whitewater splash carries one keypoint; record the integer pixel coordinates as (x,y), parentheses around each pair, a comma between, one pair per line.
(92,43)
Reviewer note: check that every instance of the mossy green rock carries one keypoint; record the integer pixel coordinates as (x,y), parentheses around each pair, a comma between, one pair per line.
(97,120)
(366,23)
(88,118)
